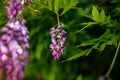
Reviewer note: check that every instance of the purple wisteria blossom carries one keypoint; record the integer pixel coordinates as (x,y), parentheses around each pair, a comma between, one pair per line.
(14,42)
(57,40)
(13,7)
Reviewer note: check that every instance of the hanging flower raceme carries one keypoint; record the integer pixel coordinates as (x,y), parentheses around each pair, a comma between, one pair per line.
(13,7)
(57,40)
(14,42)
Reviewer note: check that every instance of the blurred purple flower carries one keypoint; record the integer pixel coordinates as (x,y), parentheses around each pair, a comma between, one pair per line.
(14,7)
(101,78)
(14,42)
(57,40)
(31,1)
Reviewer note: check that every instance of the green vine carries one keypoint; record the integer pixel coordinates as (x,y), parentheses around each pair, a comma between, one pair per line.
(107,75)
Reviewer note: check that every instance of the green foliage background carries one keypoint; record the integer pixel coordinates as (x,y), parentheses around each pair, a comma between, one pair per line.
(93,33)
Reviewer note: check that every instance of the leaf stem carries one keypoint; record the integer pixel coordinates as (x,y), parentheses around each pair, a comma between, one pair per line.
(35,10)
(88,24)
(107,75)
(58,20)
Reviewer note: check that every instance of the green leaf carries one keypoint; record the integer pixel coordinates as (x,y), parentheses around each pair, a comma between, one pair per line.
(95,14)
(102,15)
(115,40)
(56,6)
(88,24)
(103,36)
(77,55)
(109,42)
(50,4)
(88,52)
(65,2)
(102,47)
(95,46)
(85,44)
(108,19)
(67,8)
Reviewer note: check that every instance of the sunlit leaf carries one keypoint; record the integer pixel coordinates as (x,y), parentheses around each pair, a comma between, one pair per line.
(77,55)
(109,42)
(95,46)
(88,52)
(50,4)
(56,6)
(85,44)
(64,2)
(107,32)
(115,40)
(102,15)
(108,19)
(72,4)
(88,24)
(102,47)
(95,14)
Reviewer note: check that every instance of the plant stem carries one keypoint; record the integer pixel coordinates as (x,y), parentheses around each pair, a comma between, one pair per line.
(2,74)
(112,63)
(88,25)
(58,18)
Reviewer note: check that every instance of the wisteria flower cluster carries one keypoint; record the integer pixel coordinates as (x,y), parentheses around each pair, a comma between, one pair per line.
(14,6)
(57,40)
(14,42)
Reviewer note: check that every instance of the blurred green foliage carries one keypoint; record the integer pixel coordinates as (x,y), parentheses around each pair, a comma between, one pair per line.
(90,30)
